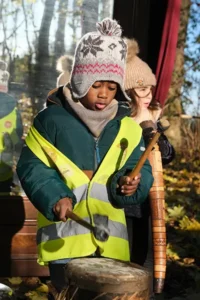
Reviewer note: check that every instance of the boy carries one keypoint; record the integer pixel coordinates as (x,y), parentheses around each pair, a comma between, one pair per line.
(79,154)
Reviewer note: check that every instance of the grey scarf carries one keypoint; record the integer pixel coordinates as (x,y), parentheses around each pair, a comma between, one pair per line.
(94,120)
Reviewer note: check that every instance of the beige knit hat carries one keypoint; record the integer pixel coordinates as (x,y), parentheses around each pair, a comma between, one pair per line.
(4,77)
(138,73)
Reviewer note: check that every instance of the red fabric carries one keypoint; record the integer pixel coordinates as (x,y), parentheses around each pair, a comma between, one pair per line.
(167,52)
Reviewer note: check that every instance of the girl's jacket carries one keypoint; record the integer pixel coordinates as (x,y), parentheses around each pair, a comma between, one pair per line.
(60,125)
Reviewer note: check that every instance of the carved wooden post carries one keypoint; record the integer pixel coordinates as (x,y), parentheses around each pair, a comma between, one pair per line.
(157,203)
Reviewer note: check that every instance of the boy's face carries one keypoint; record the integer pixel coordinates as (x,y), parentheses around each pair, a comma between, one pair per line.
(99,95)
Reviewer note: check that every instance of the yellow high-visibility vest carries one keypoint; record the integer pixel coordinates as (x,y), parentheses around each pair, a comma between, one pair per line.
(59,240)
(7,124)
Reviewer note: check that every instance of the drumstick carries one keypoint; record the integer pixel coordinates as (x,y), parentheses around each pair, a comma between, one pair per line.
(143,158)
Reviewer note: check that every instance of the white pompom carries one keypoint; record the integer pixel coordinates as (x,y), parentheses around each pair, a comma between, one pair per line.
(64,63)
(109,27)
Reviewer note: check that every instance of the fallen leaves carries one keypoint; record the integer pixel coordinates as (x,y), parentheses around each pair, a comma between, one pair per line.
(28,288)
(183,231)
(176,212)
(15,280)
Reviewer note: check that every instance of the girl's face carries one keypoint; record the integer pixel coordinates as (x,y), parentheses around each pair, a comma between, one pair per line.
(143,96)
(99,95)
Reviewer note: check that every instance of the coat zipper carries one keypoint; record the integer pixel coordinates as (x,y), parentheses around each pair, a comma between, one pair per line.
(97,158)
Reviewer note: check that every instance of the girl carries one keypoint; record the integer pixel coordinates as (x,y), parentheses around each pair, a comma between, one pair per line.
(139,84)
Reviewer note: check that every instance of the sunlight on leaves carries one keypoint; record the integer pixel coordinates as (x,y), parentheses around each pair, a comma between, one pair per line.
(171,253)
(176,212)
(169,178)
(190,225)
(188,260)
(15,280)
(42,289)
(33,295)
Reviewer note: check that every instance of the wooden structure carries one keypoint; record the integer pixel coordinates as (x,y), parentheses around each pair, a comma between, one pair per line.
(18,238)
(157,203)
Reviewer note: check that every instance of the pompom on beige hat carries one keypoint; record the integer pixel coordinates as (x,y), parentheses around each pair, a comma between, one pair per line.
(138,73)
(64,66)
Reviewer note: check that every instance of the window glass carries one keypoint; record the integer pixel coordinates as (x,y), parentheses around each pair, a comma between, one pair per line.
(34,34)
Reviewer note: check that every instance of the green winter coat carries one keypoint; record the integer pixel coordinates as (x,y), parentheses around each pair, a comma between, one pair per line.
(60,125)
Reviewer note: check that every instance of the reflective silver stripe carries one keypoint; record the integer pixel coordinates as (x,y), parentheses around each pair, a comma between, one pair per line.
(60,230)
(118,230)
(81,192)
(71,228)
(99,191)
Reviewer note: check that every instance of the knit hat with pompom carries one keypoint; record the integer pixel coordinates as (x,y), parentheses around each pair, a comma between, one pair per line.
(99,56)
(4,77)
(138,73)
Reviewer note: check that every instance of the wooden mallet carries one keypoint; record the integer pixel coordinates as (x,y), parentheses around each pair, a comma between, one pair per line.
(164,126)
(100,230)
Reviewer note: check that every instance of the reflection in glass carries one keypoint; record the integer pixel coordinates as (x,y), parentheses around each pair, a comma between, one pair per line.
(34,34)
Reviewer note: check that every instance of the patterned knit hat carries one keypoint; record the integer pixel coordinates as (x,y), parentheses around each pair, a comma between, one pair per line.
(138,73)
(4,76)
(99,56)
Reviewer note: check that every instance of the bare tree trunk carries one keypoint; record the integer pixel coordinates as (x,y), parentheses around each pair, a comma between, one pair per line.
(89,15)
(60,32)
(75,24)
(30,54)
(173,107)
(43,69)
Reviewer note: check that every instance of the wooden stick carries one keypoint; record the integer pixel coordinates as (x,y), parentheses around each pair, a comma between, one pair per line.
(144,156)
(79,220)
(100,230)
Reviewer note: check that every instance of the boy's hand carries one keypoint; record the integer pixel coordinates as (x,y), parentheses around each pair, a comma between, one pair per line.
(61,207)
(128,186)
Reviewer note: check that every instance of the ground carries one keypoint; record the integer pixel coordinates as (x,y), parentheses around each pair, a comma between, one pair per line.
(182,186)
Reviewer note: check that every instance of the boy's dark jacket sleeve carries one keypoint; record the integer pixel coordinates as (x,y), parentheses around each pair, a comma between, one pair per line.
(145,184)
(41,182)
